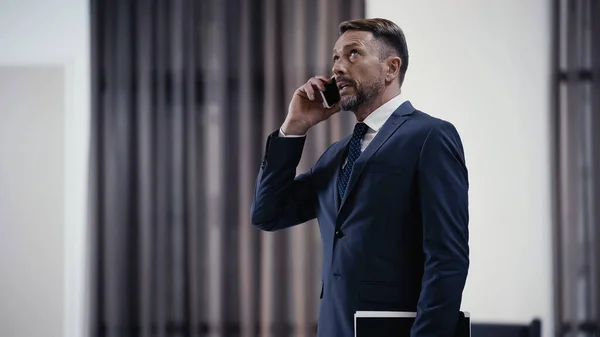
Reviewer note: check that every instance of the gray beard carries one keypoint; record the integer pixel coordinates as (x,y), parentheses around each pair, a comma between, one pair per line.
(352,103)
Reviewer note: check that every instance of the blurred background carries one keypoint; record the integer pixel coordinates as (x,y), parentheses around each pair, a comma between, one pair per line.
(131,133)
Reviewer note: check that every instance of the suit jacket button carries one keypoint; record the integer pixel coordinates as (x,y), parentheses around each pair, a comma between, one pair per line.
(339,234)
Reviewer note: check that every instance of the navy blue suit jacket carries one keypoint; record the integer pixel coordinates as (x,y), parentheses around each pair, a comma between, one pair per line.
(399,238)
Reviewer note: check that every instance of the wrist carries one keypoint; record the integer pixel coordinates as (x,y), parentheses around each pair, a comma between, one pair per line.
(292,128)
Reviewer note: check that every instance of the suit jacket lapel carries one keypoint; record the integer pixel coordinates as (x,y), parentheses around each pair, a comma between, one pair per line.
(389,127)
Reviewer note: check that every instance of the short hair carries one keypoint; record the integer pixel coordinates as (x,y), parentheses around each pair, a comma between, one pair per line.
(385,31)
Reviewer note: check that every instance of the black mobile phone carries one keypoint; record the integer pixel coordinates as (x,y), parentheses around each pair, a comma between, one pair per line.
(331,95)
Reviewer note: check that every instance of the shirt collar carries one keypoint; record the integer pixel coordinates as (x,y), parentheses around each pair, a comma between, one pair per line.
(377,118)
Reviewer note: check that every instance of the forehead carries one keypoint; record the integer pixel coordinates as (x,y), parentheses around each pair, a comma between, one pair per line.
(353,38)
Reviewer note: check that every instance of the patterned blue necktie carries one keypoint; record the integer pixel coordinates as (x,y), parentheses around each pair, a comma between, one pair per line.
(353,152)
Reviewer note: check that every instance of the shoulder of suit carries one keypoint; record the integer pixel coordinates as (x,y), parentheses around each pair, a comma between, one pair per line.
(426,124)
(430,121)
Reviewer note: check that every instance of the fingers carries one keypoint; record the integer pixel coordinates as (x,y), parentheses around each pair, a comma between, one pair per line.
(308,89)
(324,79)
(318,82)
(314,84)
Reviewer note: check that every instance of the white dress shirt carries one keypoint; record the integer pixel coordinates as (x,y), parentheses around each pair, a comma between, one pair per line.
(374,121)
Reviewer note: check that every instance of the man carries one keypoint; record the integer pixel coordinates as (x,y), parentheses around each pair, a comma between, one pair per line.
(391,199)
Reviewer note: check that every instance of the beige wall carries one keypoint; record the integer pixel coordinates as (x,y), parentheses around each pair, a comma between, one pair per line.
(485,66)
(31,201)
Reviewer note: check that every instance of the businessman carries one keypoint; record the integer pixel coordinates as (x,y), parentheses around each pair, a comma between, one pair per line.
(391,199)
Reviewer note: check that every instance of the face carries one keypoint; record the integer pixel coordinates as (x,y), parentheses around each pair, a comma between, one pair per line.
(358,69)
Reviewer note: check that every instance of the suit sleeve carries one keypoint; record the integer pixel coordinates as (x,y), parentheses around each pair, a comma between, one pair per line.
(280,198)
(443,186)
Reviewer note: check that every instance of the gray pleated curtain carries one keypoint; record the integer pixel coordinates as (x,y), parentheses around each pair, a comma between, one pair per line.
(576,136)
(184,94)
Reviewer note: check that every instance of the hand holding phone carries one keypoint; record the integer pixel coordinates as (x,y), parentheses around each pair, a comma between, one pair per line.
(308,108)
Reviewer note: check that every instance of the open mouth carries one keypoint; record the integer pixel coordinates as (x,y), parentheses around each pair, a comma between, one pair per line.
(344,86)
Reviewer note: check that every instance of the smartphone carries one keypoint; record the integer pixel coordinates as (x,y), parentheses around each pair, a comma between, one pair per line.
(331,95)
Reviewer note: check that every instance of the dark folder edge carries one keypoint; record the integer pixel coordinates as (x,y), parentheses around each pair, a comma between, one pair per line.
(398,314)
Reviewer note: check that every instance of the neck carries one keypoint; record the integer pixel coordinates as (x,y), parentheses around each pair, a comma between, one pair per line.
(365,109)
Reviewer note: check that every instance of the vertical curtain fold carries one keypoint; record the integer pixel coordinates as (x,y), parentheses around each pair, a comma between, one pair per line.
(184,94)
(577,153)
(595,141)
(247,237)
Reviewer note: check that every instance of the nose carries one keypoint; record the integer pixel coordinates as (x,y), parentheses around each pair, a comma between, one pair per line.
(338,68)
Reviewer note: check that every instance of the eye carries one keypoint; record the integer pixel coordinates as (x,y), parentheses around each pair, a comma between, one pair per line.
(353,52)
(335,58)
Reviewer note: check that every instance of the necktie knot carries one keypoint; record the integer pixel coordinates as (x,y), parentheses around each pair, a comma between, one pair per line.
(360,129)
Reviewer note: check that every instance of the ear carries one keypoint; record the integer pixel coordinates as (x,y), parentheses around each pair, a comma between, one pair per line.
(393,68)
